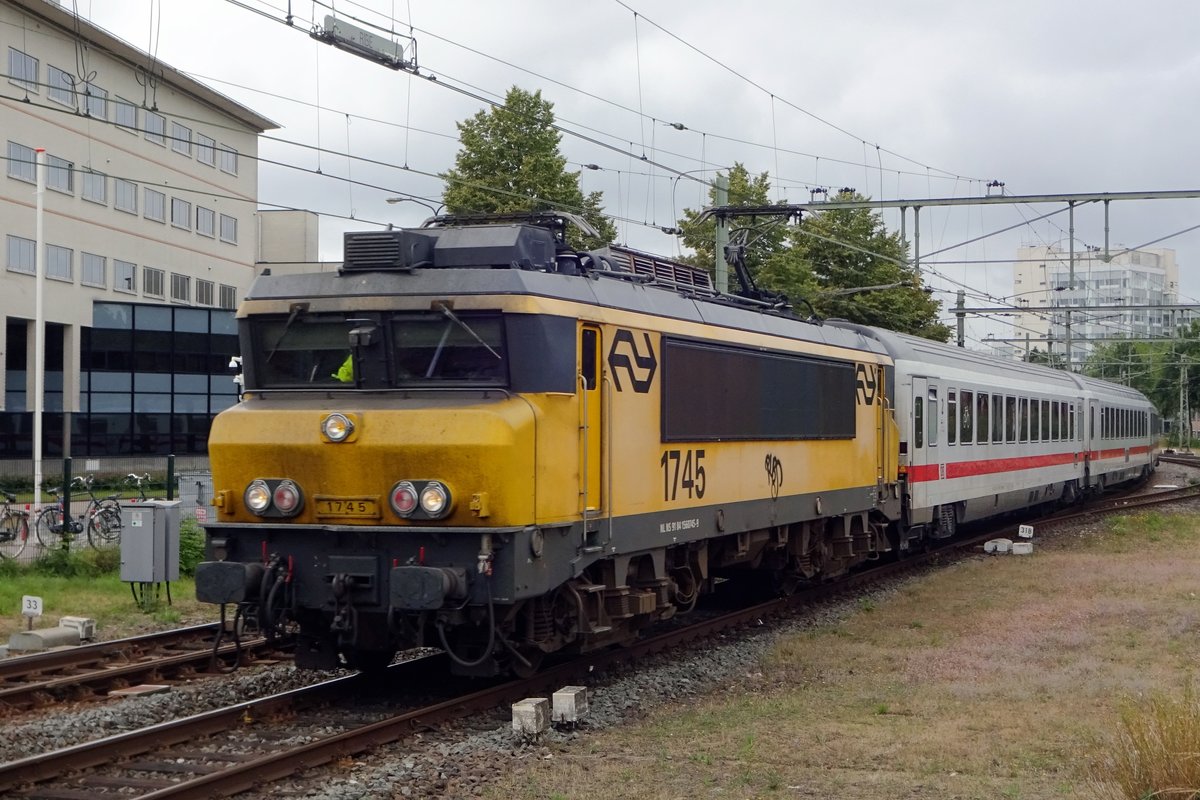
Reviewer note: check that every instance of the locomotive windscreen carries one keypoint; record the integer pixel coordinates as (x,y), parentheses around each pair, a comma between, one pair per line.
(712,392)
(403,350)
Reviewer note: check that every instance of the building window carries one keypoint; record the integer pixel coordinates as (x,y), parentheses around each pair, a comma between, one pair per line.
(181,213)
(22,162)
(228,229)
(206,221)
(229,159)
(156,206)
(206,150)
(181,139)
(228,297)
(21,254)
(60,86)
(152,282)
(156,128)
(95,187)
(124,276)
(97,101)
(126,114)
(61,174)
(204,292)
(93,269)
(22,69)
(181,287)
(125,195)
(58,262)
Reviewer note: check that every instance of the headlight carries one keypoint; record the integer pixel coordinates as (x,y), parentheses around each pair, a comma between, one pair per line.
(287,498)
(337,427)
(435,500)
(258,496)
(404,498)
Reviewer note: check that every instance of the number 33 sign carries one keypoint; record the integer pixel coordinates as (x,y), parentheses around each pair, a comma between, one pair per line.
(31,606)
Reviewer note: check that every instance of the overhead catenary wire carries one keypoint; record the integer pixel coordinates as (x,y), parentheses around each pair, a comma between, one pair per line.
(777,172)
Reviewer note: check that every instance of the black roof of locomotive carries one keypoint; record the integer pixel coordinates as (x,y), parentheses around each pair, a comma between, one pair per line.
(618,278)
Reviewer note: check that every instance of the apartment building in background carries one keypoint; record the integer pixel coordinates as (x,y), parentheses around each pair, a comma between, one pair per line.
(1129,278)
(150,239)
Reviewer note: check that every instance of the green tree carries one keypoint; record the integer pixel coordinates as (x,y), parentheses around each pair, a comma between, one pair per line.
(830,260)
(1046,359)
(849,252)
(766,235)
(509,161)
(1155,368)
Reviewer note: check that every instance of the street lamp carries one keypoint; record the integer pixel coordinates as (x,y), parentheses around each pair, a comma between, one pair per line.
(430,206)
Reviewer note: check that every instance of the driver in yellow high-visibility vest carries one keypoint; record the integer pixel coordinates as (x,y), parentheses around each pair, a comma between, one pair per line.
(345,372)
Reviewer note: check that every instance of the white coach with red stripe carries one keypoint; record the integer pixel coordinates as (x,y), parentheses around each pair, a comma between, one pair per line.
(981,436)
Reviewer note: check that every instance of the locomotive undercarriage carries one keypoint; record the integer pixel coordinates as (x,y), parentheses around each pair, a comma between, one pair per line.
(356,611)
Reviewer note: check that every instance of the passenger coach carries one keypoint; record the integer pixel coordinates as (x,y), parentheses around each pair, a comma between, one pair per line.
(981,436)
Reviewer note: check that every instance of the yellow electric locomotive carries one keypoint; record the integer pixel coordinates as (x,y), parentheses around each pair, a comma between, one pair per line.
(476,438)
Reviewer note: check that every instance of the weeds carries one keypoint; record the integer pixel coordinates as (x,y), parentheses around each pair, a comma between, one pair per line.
(191,546)
(1156,752)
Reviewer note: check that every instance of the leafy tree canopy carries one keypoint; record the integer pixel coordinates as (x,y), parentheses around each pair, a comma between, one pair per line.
(767,238)
(823,260)
(509,161)
(1154,367)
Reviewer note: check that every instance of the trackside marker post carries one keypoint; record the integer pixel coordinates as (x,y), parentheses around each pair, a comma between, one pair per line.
(31,609)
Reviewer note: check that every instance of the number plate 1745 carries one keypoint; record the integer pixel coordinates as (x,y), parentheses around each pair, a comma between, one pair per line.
(355,507)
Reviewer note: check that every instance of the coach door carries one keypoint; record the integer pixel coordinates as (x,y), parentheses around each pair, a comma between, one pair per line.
(591,421)
(925,445)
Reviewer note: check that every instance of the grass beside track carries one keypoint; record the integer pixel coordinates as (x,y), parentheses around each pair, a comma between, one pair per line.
(92,591)
(1004,677)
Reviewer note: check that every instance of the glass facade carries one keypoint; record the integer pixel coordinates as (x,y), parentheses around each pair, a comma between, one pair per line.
(151,379)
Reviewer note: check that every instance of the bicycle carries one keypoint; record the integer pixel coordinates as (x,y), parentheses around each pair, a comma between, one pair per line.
(14,528)
(103,516)
(139,481)
(53,523)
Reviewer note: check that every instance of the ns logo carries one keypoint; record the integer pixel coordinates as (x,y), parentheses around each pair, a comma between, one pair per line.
(626,357)
(867,378)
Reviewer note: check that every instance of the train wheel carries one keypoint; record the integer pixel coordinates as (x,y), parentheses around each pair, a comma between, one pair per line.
(532,662)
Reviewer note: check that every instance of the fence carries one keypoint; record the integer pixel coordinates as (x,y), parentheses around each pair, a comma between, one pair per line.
(186,479)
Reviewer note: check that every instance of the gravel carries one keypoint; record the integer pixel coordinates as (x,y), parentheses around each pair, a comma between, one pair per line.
(459,760)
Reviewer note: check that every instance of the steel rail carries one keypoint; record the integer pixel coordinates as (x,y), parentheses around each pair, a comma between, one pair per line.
(247,773)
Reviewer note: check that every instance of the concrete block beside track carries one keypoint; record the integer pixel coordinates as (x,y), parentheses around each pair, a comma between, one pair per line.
(531,716)
(569,704)
(43,639)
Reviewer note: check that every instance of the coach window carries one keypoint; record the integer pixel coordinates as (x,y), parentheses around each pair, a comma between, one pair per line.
(1071,421)
(1035,430)
(951,417)
(918,421)
(932,428)
(981,417)
(1055,430)
(997,418)
(1045,420)
(1024,419)
(966,428)
(1010,419)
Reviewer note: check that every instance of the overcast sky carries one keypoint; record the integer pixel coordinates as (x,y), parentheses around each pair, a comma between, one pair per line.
(898,100)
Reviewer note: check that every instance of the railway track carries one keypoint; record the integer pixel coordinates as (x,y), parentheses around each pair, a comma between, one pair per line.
(91,671)
(252,744)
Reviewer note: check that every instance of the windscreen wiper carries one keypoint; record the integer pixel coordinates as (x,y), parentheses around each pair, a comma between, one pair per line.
(452,316)
(295,310)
